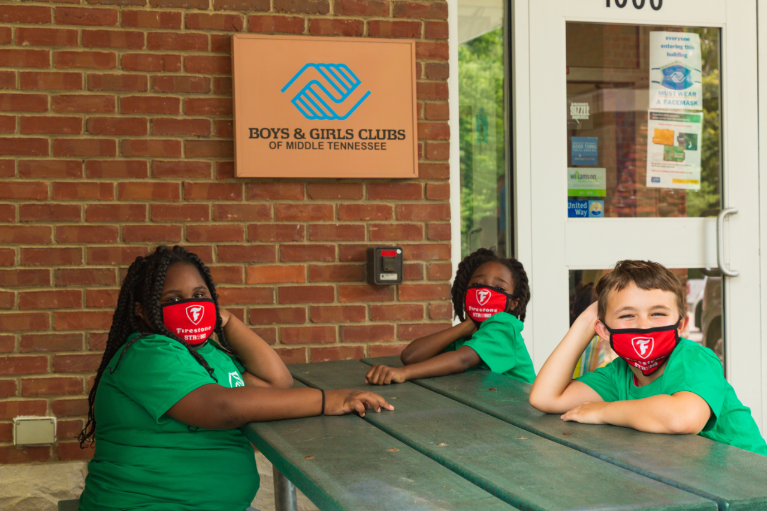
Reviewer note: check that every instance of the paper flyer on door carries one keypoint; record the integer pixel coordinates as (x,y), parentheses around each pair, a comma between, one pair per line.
(673,150)
(675,71)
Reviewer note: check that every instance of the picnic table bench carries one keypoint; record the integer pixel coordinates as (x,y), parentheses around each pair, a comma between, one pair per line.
(472,441)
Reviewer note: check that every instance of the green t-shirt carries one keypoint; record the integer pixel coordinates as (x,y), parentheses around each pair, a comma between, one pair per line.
(690,368)
(146,460)
(499,344)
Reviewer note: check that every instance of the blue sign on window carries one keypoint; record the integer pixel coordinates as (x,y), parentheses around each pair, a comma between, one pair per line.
(596,209)
(577,208)
(584,150)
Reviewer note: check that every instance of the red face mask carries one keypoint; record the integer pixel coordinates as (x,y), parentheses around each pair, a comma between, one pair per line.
(645,348)
(484,301)
(192,320)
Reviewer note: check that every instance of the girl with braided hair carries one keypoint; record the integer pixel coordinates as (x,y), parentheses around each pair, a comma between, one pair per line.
(490,296)
(168,399)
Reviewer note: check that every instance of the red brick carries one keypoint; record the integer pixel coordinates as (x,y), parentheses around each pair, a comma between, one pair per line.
(303,253)
(208,106)
(69,407)
(222,85)
(151,19)
(7,79)
(247,254)
(116,169)
(23,278)
(437,111)
(192,127)
(433,131)
(436,30)
(67,451)
(51,125)
(204,64)
(409,29)
(408,292)
(336,273)
(150,105)
(123,39)
(118,82)
(396,313)
(183,4)
(68,429)
(213,191)
(438,191)
(115,255)
(24,146)
(86,16)
(86,234)
(84,147)
(85,277)
(7,300)
(227,274)
(437,70)
(25,58)
(227,22)
(305,294)
(242,212)
(274,274)
(361,7)
(180,212)
(441,310)
(191,84)
(215,233)
(7,389)
(365,212)
(82,320)
(30,190)
(151,62)
(367,333)
(181,169)
(275,191)
(275,24)
(23,103)
(12,454)
(88,103)
(423,212)
(37,80)
(337,353)
(365,293)
(337,314)
(84,59)
(33,387)
(23,365)
(439,232)
(335,191)
(7,343)
(302,6)
(8,168)
(12,409)
(277,315)
(177,41)
(440,271)
(28,36)
(303,212)
(431,10)
(24,235)
(84,363)
(326,27)
(396,232)
(224,128)
(432,90)
(115,213)
(308,334)
(152,233)
(49,212)
(82,191)
(209,148)
(7,124)
(412,271)
(276,232)
(24,14)
(23,321)
(386,350)
(411,332)
(56,256)
(288,356)
(337,232)
(48,342)
(150,148)
(101,298)
(117,126)
(395,191)
(248,295)
(353,253)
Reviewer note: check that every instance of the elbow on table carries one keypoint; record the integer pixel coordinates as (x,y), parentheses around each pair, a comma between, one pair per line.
(684,424)
(542,403)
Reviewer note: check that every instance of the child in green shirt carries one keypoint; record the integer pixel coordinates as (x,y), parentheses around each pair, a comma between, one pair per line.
(660,383)
(490,295)
(168,400)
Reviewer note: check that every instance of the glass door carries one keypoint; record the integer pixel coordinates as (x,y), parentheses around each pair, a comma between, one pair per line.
(643,129)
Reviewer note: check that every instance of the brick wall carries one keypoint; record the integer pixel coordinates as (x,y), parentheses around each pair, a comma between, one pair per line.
(116,136)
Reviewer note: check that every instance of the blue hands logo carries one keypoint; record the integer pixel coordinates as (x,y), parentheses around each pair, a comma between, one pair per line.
(311,100)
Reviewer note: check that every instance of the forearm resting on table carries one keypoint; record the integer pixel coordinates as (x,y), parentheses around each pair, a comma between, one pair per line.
(678,414)
(428,346)
(264,366)
(443,364)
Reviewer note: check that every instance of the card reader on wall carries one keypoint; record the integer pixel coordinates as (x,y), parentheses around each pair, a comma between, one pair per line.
(385,265)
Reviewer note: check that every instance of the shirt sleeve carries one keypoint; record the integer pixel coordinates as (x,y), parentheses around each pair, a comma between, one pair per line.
(701,373)
(496,343)
(604,381)
(157,372)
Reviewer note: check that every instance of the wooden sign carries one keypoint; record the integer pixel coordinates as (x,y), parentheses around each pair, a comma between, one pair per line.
(324,107)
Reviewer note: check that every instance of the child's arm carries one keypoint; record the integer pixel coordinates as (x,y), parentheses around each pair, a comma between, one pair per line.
(554,390)
(681,413)
(443,364)
(264,367)
(214,406)
(427,346)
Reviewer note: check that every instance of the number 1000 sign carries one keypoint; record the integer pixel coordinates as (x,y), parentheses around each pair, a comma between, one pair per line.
(638,4)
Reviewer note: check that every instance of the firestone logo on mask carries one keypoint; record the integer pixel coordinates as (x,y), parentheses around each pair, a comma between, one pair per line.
(643,346)
(195,313)
(483,295)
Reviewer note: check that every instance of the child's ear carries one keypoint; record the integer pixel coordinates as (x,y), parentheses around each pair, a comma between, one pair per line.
(601,330)
(138,310)
(683,323)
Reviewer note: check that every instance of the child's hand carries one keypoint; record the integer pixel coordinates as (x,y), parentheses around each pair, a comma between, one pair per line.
(589,317)
(587,413)
(384,375)
(225,315)
(469,326)
(341,401)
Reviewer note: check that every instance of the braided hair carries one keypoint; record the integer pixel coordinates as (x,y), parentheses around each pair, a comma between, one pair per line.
(143,284)
(469,265)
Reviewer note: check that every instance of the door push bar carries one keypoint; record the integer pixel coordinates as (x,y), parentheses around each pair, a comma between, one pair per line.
(719,244)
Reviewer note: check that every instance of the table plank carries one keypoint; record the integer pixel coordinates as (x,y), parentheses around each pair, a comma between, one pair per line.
(356,466)
(521,468)
(734,478)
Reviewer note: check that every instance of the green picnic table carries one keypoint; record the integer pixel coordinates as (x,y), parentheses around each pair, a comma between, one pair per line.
(471,441)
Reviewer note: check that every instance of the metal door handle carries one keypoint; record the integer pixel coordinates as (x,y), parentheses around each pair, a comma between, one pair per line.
(720,246)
